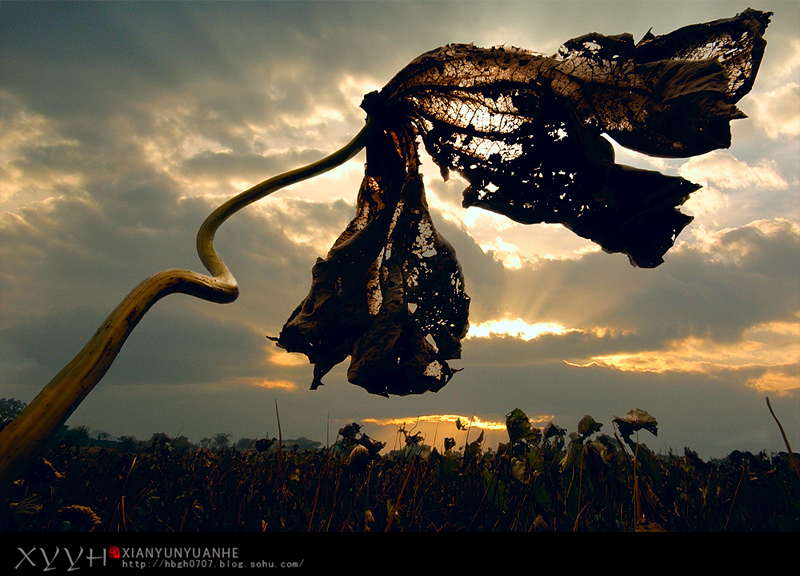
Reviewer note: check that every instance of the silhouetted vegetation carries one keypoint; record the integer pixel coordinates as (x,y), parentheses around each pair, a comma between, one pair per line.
(9,409)
(541,480)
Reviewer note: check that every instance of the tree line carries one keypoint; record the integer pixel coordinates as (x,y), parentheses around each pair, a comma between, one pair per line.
(83,436)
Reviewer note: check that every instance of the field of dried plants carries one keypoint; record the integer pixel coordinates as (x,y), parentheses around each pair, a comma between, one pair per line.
(542,479)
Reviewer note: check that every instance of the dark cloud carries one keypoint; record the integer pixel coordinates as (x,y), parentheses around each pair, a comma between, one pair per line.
(89,59)
(73,251)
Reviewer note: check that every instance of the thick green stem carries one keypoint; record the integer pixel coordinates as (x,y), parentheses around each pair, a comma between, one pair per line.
(23,439)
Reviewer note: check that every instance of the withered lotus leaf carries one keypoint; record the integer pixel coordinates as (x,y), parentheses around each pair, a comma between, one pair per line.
(634,421)
(528,132)
(390,292)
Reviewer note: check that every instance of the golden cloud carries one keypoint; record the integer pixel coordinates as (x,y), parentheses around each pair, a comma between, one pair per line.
(287,385)
(772,347)
(515,327)
(24,131)
(733,244)
(280,357)
(728,172)
(777,111)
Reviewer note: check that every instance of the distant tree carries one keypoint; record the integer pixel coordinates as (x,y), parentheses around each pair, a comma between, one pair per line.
(78,436)
(221,441)
(159,437)
(9,409)
(264,444)
(304,443)
(245,443)
(130,444)
(182,445)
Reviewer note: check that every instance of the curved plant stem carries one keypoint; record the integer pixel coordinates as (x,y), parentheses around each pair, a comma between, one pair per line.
(22,440)
(785,439)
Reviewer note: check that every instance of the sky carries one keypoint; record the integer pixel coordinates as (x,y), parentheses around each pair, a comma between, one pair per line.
(124,124)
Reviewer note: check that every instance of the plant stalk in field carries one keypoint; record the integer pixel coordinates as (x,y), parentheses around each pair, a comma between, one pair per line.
(24,438)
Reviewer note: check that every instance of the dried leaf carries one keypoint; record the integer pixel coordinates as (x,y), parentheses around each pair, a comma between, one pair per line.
(551,430)
(518,470)
(527,132)
(519,426)
(634,421)
(80,517)
(390,293)
(588,426)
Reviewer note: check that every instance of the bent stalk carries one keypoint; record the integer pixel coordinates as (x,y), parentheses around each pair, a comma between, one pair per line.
(785,439)
(23,439)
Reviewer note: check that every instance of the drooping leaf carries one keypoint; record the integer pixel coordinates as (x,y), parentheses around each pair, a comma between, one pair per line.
(648,463)
(551,430)
(390,293)
(518,470)
(574,449)
(588,426)
(601,447)
(423,313)
(473,449)
(634,421)
(519,426)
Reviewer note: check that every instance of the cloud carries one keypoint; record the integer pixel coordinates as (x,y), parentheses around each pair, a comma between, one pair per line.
(708,298)
(703,355)
(778,112)
(761,245)
(733,190)
(56,252)
(777,382)
(35,160)
(516,327)
(725,171)
(286,385)
(774,106)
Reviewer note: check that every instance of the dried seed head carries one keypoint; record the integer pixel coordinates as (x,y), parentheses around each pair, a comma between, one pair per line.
(81,517)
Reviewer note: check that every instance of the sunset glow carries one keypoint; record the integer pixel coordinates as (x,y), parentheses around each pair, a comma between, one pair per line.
(516,328)
(772,347)
(468,422)
(276,384)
